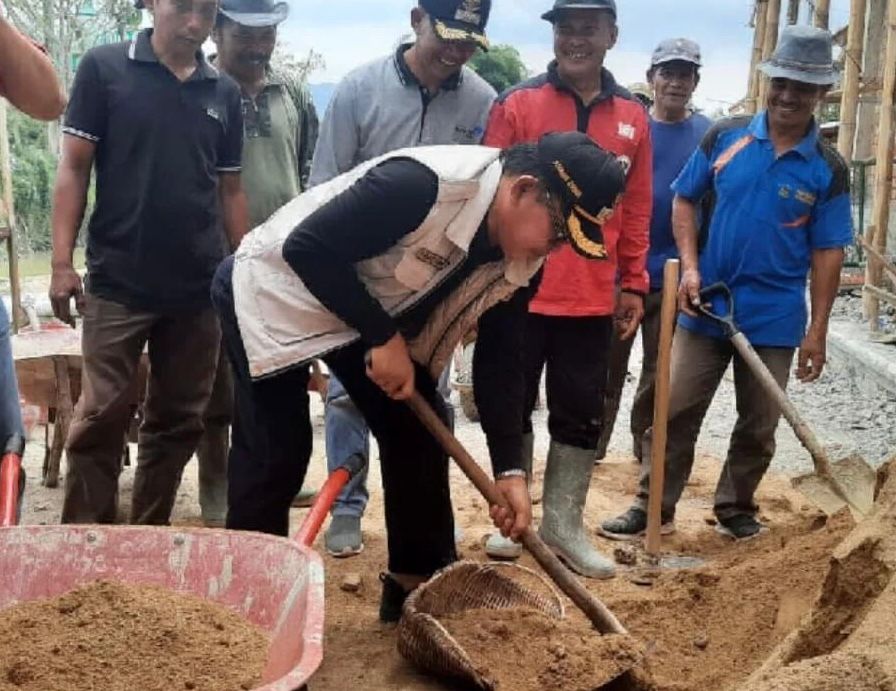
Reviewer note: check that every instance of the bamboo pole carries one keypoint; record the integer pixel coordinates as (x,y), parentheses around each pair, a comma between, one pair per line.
(849,104)
(15,283)
(822,13)
(772,22)
(793,11)
(883,182)
(872,79)
(760,15)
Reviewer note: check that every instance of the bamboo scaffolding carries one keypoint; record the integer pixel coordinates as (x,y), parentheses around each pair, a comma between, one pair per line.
(760,15)
(770,41)
(849,104)
(883,183)
(822,13)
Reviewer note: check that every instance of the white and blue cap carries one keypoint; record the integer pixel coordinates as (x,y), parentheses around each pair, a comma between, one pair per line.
(676,50)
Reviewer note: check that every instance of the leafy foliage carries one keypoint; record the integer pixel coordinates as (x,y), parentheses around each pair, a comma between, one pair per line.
(501,66)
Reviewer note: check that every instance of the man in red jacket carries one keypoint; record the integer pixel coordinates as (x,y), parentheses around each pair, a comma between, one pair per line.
(572,316)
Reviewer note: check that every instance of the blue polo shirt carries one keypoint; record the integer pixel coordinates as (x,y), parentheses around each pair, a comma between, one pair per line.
(770,213)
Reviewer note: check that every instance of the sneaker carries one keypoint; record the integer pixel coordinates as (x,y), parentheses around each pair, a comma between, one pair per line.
(343,537)
(631,525)
(392,599)
(740,527)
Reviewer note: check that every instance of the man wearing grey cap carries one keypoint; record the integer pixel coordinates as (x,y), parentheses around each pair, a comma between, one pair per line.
(280,127)
(422,94)
(781,213)
(675,130)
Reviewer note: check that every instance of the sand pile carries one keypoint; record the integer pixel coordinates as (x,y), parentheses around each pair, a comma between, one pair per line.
(525,650)
(710,627)
(116,637)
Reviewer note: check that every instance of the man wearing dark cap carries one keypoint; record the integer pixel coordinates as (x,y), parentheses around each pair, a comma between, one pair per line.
(423,94)
(675,132)
(572,316)
(279,130)
(164,131)
(381,272)
(781,212)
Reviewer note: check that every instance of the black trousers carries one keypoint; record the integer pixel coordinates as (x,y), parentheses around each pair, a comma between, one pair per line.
(575,353)
(271,448)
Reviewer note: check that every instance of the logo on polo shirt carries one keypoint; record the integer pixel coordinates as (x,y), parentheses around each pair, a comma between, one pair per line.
(469,12)
(626,130)
(213,113)
(805,197)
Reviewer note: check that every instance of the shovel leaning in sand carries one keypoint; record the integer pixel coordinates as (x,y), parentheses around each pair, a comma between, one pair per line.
(848,481)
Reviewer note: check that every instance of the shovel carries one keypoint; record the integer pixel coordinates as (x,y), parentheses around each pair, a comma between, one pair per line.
(848,481)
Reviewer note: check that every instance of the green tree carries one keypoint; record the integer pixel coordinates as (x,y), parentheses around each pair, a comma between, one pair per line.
(501,66)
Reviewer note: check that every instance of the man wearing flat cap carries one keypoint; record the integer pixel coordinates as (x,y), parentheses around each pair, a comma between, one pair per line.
(381,272)
(422,94)
(279,131)
(781,213)
(573,315)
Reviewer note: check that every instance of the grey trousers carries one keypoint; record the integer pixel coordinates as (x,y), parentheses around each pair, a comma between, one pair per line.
(698,364)
(642,406)
(183,355)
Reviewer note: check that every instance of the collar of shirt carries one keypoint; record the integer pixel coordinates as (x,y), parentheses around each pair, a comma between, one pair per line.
(408,78)
(141,50)
(272,77)
(807,147)
(608,85)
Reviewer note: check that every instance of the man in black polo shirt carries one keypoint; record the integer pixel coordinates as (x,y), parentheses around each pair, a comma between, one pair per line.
(164,130)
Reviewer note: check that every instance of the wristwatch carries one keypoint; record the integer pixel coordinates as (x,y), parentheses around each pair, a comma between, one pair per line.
(513,472)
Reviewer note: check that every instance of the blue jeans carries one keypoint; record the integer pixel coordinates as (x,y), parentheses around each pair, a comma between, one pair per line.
(10,410)
(347,436)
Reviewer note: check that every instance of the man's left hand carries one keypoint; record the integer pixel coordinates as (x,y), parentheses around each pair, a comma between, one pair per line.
(628,316)
(812,356)
(513,521)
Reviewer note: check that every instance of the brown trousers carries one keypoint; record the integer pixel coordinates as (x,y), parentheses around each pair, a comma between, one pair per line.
(642,406)
(183,355)
(698,365)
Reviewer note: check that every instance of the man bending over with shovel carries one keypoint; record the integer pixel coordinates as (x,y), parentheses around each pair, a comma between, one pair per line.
(381,271)
(781,212)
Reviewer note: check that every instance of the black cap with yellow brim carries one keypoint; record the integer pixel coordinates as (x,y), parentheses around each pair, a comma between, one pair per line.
(459,20)
(589,181)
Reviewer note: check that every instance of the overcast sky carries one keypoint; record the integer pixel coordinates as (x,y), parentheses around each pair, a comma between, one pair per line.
(350,32)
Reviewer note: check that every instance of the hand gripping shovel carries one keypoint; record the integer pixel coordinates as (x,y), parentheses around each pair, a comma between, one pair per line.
(846,482)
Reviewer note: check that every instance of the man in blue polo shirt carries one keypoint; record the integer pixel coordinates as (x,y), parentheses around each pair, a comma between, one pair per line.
(781,212)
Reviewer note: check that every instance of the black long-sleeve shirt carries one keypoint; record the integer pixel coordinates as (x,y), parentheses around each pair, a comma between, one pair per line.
(387,203)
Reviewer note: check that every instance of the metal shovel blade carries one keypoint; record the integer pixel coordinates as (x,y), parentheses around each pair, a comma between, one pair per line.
(854,478)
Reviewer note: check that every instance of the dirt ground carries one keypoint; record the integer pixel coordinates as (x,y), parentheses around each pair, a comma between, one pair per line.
(703,629)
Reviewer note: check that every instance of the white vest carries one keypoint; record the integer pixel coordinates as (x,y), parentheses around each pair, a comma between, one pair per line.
(282,324)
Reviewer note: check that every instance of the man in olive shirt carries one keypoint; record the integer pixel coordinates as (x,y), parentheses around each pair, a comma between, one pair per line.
(279,131)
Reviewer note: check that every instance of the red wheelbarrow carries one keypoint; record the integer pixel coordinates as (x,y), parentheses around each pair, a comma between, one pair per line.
(275,583)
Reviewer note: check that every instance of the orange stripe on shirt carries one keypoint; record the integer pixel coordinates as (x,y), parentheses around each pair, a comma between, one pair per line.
(728,154)
(798,223)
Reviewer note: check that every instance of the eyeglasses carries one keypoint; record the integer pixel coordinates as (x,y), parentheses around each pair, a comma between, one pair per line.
(558,222)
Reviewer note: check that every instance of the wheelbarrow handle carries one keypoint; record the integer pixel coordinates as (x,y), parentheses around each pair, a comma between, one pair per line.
(11,481)
(327,494)
(597,612)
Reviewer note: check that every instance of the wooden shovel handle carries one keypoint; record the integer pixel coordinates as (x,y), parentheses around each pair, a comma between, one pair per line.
(596,611)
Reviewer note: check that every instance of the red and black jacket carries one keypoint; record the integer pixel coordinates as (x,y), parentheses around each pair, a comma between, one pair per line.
(573,285)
